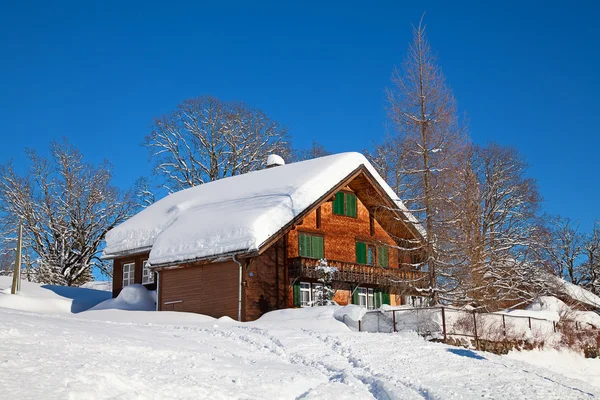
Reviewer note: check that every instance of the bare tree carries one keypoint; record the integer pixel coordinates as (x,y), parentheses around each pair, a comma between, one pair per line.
(207,139)
(66,207)
(591,265)
(144,193)
(563,248)
(316,150)
(425,153)
(501,227)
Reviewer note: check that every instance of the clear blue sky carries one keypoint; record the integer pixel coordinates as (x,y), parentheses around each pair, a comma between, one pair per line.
(526,74)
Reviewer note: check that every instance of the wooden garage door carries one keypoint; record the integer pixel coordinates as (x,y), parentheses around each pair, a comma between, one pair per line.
(210,289)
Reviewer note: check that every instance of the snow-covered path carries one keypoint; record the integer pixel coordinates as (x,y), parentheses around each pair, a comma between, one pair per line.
(85,357)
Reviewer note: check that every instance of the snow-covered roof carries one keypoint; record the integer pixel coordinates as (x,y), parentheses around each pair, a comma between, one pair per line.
(578,293)
(235,214)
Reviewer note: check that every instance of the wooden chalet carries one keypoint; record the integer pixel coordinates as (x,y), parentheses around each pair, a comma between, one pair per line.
(351,218)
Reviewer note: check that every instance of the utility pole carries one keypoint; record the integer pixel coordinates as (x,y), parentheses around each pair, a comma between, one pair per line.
(16,284)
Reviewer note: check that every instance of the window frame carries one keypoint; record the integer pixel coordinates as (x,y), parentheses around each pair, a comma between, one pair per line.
(370,299)
(147,279)
(130,280)
(362,297)
(305,287)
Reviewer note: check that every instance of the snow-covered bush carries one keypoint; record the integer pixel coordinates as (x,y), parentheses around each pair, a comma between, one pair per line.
(323,292)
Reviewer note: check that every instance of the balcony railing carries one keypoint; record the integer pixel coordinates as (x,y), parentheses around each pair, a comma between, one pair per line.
(301,267)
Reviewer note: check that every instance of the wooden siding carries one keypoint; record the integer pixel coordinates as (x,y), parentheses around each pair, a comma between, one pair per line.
(341,233)
(118,272)
(210,289)
(264,282)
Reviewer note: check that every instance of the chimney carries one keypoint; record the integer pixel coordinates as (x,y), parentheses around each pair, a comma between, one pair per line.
(274,161)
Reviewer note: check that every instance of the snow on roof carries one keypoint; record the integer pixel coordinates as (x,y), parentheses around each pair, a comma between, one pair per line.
(578,293)
(235,214)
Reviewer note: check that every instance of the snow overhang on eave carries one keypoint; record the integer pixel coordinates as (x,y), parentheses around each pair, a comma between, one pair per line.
(126,253)
(214,258)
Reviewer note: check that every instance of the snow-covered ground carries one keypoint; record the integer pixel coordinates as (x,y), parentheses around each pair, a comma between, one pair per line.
(53,353)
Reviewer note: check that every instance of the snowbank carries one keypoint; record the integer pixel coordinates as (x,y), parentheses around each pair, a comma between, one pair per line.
(49,298)
(238,213)
(323,318)
(131,298)
(351,311)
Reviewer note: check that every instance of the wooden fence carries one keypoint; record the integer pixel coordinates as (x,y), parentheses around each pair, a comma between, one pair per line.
(444,322)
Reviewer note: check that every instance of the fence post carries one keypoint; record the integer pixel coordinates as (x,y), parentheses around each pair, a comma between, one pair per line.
(444,322)
(394,319)
(359,325)
(529,322)
(554,326)
(475,325)
(576,326)
(504,325)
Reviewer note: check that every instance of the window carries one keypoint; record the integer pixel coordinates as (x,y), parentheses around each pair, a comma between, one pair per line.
(305,295)
(147,274)
(362,297)
(311,246)
(128,274)
(345,204)
(370,255)
(370,299)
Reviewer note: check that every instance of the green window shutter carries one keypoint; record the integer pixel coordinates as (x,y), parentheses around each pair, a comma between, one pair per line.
(351,205)
(317,247)
(355,296)
(297,294)
(304,245)
(338,204)
(385,298)
(382,255)
(377,296)
(361,252)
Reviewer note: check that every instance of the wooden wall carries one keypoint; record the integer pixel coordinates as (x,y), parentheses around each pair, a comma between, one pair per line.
(264,282)
(341,234)
(209,289)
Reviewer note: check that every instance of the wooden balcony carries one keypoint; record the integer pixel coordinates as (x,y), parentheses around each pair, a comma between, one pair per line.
(361,274)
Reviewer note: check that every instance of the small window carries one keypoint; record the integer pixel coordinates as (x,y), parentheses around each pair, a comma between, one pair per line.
(345,204)
(370,255)
(147,273)
(311,246)
(128,274)
(370,299)
(362,297)
(305,294)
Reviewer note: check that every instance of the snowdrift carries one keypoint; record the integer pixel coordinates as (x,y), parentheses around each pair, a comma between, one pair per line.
(49,298)
(132,298)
